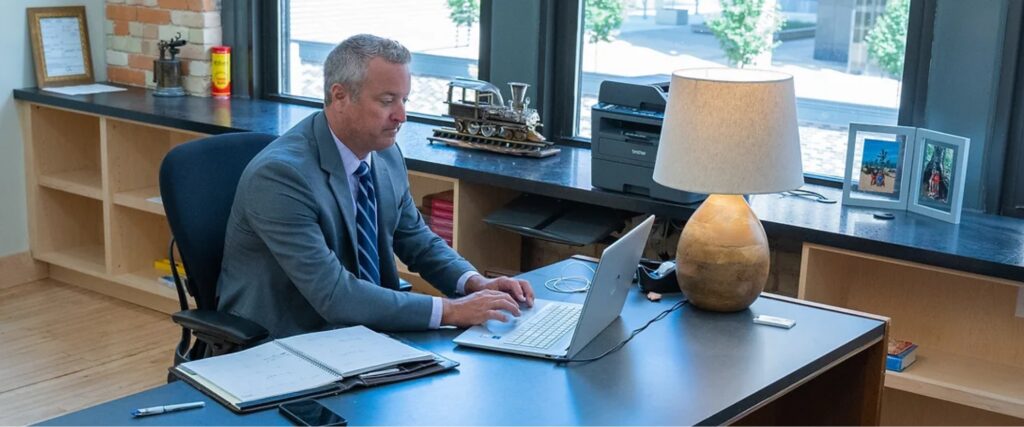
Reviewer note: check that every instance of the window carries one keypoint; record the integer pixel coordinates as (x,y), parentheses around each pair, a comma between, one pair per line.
(846,57)
(443,36)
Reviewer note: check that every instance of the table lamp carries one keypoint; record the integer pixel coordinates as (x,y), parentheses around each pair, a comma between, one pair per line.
(727,132)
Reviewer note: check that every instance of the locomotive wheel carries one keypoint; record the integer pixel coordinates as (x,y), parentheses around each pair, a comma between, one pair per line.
(488,130)
(459,126)
(473,128)
(519,135)
(504,132)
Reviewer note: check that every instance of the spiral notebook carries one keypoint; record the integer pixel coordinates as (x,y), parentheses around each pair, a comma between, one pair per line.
(308,365)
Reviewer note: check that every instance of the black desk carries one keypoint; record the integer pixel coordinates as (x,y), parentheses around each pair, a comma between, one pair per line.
(693,367)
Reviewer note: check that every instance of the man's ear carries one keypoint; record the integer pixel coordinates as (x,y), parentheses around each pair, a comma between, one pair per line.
(339,95)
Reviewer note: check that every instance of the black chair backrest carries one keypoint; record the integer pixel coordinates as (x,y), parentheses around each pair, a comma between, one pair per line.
(198,180)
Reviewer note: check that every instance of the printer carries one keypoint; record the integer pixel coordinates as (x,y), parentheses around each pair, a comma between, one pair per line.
(626,126)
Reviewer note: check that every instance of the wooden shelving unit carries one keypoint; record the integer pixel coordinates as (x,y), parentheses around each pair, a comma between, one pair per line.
(95,216)
(90,181)
(970,368)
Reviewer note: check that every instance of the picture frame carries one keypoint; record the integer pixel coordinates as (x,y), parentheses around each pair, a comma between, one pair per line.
(940,166)
(60,45)
(878,165)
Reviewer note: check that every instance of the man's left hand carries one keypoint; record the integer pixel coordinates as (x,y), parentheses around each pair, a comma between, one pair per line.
(518,288)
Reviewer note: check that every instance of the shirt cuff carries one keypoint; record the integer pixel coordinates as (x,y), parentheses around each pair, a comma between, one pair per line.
(435,313)
(460,288)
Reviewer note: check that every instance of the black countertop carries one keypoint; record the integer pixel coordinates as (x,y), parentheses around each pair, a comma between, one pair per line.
(984,244)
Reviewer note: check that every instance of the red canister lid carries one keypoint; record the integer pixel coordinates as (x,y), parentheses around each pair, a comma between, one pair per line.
(220,49)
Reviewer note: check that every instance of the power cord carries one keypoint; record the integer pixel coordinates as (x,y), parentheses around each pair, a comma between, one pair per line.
(636,331)
(555,284)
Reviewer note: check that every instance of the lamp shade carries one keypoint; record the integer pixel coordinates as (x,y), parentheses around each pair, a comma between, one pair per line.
(730,131)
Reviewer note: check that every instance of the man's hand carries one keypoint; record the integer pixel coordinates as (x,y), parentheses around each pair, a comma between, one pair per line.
(477,307)
(519,289)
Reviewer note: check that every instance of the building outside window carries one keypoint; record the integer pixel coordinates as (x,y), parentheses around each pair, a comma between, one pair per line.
(443,36)
(822,43)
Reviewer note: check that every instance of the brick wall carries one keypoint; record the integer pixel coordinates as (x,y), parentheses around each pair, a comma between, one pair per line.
(133,28)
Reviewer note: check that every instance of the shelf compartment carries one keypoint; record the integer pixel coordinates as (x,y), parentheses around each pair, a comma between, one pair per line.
(88,259)
(965,380)
(137,239)
(83,182)
(69,231)
(969,338)
(135,151)
(141,199)
(65,150)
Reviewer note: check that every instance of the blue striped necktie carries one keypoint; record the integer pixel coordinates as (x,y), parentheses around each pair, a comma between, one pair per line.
(366,226)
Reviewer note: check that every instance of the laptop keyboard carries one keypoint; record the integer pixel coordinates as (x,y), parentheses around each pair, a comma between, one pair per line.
(546,327)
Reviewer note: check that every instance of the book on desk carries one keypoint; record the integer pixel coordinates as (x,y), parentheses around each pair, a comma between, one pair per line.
(309,365)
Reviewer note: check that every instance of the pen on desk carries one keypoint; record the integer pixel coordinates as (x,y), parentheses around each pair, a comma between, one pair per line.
(167,408)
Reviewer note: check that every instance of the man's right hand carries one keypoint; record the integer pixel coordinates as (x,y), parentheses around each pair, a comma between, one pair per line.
(476,308)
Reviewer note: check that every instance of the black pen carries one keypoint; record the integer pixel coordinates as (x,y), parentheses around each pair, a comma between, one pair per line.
(167,408)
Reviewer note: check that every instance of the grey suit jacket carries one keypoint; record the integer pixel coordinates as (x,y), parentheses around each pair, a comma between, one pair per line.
(290,246)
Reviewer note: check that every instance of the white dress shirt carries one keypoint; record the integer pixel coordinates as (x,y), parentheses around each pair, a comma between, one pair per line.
(351,163)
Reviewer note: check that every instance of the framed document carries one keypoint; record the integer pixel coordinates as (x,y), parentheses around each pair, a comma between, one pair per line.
(60,45)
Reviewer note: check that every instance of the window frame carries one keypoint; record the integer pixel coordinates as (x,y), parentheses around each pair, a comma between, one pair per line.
(271,67)
(564,75)
(912,97)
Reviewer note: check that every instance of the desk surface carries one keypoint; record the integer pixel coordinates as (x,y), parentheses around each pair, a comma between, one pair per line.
(983,244)
(693,367)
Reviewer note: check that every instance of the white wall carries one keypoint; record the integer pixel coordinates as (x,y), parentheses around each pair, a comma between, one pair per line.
(17,71)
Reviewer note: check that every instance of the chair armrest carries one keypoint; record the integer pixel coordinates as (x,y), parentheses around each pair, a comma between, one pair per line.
(222,326)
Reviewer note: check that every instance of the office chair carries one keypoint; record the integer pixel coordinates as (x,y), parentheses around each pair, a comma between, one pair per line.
(198,180)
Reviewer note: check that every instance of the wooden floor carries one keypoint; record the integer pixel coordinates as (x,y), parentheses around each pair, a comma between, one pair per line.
(63,348)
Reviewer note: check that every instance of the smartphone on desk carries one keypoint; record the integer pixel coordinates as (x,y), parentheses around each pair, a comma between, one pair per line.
(311,413)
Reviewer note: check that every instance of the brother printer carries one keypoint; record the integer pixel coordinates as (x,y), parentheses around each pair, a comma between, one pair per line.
(626,125)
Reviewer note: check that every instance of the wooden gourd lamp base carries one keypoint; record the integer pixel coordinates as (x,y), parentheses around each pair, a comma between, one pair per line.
(722,259)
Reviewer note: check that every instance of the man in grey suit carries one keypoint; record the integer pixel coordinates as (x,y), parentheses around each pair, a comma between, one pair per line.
(319,212)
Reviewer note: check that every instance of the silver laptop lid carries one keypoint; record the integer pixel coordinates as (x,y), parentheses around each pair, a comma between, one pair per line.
(610,286)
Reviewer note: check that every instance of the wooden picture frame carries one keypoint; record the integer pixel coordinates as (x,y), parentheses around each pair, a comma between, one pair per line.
(940,171)
(60,45)
(878,182)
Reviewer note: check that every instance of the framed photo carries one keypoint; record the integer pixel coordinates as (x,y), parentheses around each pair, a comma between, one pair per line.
(877,164)
(60,45)
(937,184)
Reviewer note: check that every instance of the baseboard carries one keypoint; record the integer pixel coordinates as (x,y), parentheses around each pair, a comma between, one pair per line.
(19,268)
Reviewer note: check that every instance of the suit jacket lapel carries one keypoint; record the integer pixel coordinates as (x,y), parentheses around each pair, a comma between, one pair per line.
(330,162)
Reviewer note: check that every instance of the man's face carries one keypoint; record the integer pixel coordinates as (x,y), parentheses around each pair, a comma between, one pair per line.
(370,121)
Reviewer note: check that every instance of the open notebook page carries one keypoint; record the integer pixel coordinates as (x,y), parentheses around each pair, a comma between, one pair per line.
(354,350)
(259,372)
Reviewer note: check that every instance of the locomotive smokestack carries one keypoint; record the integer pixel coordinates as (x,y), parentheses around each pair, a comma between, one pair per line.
(518,95)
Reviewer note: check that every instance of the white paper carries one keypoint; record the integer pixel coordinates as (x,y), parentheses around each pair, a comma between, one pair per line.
(62,46)
(84,89)
(158,200)
(260,372)
(354,350)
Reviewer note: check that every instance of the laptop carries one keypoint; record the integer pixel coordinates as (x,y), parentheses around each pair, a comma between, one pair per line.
(559,330)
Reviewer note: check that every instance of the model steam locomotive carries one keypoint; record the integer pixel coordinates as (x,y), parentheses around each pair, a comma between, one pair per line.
(484,120)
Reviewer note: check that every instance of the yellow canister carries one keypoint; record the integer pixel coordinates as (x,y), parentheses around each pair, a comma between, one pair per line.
(220,69)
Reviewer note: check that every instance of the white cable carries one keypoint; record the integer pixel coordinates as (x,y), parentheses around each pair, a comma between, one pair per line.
(555,284)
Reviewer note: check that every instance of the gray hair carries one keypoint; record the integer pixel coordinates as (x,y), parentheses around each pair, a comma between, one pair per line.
(347,63)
